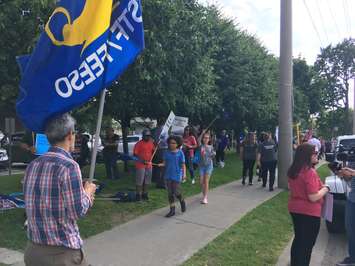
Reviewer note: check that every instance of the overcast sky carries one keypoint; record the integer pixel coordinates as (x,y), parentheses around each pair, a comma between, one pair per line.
(316,23)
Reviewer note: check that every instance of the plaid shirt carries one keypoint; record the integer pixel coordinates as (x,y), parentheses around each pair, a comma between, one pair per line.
(55,200)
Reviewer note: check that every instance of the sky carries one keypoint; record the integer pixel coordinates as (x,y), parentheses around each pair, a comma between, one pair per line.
(316,23)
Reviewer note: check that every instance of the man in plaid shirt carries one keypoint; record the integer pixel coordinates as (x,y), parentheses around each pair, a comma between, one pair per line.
(55,199)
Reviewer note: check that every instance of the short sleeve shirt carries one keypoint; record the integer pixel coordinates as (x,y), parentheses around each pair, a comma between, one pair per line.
(110,150)
(249,151)
(144,151)
(307,182)
(173,165)
(191,141)
(267,150)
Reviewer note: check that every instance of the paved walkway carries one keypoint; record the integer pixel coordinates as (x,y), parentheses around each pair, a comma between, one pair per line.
(155,240)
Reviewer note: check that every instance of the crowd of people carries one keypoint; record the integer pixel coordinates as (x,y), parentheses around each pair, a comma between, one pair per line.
(56,197)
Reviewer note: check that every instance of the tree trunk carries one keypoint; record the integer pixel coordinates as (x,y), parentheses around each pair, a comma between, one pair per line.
(125,128)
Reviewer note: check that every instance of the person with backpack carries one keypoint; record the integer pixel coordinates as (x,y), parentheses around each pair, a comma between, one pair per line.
(267,160)
(248,152)
(175,172)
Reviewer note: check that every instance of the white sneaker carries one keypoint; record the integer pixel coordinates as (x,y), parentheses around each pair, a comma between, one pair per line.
(193,181)
(204,201)
(222,164)
(184,180)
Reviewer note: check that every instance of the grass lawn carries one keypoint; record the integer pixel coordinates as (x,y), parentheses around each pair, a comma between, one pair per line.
(106,214)
(257,239)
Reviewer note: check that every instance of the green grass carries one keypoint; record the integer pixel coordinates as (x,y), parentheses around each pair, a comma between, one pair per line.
(257,239)
(105,214)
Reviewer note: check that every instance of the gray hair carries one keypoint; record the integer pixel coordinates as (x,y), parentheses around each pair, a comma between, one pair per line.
(59,127)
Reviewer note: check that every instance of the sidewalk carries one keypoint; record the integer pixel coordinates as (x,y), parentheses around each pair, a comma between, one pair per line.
(158,241)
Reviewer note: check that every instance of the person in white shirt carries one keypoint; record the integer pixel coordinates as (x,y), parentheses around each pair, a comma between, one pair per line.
(316,142)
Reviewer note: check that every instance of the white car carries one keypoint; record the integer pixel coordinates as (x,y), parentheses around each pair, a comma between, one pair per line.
(344,153)
(132,140)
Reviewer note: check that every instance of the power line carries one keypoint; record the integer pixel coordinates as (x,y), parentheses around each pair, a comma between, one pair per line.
(333,17)
(314,25)
(322,21)
(346,16)
(349,17)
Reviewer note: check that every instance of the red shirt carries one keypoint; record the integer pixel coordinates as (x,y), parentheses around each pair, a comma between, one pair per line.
(144,151)
(191,141)
(307,182)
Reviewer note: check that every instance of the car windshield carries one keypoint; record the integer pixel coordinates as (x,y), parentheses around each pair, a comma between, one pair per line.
(347,144)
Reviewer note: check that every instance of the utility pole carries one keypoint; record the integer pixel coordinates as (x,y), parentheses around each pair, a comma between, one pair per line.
(285,93)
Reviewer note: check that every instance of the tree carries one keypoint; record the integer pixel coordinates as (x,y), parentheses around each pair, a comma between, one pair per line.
(20,24)
(336,67)
(307,92)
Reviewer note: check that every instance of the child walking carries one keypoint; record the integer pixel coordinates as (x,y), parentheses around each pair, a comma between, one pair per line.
(205,165)
(175,172)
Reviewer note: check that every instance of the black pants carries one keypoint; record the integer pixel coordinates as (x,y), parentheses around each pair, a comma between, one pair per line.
(306,229)
(219,155)
(111,166)
(271,168)
(158,172)
(248,166)
(174,191)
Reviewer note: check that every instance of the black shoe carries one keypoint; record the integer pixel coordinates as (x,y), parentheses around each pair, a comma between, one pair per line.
(183,206)
(259,179)
(243,181)
(271,189)
(171,212)
(346,262)
(250,183)
(264,185)
(145,196)
(138,197)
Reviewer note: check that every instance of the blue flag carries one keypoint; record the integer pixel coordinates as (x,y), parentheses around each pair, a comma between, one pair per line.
(85,46)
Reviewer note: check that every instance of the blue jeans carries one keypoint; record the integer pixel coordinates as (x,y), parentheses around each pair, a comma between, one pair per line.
(350,228)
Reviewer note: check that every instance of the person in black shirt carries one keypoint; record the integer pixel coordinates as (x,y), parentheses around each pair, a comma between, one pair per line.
(110,154)
(267,160)
(248,152)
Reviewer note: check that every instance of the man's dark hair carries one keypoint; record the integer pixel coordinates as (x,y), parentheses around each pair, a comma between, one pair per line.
(177,138)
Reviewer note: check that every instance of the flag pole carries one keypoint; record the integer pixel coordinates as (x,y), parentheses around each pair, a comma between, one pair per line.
(97,135)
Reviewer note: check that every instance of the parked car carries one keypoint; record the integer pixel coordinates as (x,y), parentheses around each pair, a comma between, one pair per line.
(344,154)
(132,140)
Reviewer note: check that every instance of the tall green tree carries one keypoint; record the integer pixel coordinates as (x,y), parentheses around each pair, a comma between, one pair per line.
(20,24)
(336,67)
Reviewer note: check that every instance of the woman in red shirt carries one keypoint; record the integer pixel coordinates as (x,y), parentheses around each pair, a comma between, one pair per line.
(305,203)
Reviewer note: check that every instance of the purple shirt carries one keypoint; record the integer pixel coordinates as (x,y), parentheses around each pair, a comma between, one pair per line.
(55,199)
